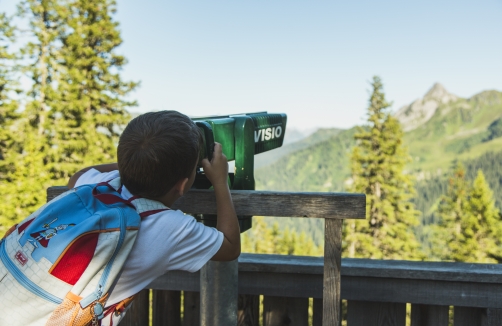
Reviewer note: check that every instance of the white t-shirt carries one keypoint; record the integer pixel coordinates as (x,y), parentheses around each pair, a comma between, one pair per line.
(168,240)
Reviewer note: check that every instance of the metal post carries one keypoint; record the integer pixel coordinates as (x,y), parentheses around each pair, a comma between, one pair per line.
(219,293)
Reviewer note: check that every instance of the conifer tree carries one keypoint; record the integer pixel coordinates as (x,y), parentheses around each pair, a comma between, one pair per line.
(470,228)
(378,161)
(450,242)
(487,216)
(9,142)
(264,240)
(92,106)
(8,86)
(30,175)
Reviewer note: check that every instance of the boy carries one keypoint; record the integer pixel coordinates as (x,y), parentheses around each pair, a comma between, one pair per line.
(157,159)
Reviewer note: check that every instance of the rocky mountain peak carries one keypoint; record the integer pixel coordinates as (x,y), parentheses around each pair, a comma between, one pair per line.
(420,111)
(440,94)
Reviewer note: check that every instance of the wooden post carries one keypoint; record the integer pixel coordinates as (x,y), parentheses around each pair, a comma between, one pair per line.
(280,311)
(248,310)
(191,308)
(166,308)
(332,265)
(365,313)
(317,318)
(429,315)
(138,314)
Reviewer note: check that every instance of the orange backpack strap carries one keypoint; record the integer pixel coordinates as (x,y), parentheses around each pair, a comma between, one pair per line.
(119,307)
(9,231)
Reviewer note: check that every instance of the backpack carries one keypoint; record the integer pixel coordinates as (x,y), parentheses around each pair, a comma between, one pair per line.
(58,266)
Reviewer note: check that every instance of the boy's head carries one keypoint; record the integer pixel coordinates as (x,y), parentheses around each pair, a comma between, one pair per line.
(156,150)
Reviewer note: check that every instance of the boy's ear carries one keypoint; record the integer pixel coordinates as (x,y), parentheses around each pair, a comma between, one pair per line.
(179,187)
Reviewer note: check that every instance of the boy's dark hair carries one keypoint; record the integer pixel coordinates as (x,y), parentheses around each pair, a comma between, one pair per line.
(156,150)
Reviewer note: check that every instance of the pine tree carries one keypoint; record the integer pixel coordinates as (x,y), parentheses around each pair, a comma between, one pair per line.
(9,143)
(263,240)
(451,242)
(470,228)
(483,211)
(30,174)
(92,106)
(378,161)
(8,86)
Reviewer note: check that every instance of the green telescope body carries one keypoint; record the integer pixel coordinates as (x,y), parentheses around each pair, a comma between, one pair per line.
(242,136)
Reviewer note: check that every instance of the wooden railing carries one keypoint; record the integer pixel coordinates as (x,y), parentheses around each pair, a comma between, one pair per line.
(377,292)
(332,207)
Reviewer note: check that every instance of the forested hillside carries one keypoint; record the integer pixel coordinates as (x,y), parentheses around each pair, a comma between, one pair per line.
(466,130)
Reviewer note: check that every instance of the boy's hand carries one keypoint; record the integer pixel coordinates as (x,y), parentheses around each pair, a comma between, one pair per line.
(216,170)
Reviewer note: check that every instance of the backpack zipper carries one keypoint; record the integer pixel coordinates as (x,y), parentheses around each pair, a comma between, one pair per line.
(25,281)
(96,295)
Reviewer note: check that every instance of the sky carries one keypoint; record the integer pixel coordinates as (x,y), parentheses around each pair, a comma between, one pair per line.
(312,60)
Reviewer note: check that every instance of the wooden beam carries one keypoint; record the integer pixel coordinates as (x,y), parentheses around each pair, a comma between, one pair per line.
(466,316)
(332,266)
(279,311)
(461,284)
(166,308)
(364,313)
(249,310)
(269,203)
(138,313)
(429,315)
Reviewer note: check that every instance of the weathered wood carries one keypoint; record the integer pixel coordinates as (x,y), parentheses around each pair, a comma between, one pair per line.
(422,291)
(138,313)
(364,313)
(166,308)
(279,311)
(332,265)
(292,276)
(494,317)
(249,310)
(268,203)
(191,308)
(429,315)
(439,271)
(317,313)
(54,191)
(466,316)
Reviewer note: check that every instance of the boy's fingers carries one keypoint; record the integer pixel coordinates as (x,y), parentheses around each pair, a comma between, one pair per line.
(205,163)
(217,148)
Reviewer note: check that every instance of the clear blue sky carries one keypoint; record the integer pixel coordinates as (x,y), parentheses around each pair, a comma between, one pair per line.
(310,59)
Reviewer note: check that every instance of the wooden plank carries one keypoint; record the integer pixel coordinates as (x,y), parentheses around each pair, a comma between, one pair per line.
(352,288)
(317,313)
(364,313)
(494,317)
(248,310)
(467,316)
(138,313)
(467,294)
(429,315)
(191,308)
(283,264)
(268,203)
(177,280)
(166,308)
(281,285)
(332,265)
(279,311)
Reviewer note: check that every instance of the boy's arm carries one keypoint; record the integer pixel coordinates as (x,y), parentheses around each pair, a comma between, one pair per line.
(101,168)
(227,223)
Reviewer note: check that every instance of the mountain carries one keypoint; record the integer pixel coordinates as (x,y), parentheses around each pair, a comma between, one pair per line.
(422,110)
(440,128)
(311,166)
(267,158)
